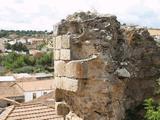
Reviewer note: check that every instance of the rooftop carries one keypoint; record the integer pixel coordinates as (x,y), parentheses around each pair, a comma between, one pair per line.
(36,75)
(36,85)
(30,111)
(10,89)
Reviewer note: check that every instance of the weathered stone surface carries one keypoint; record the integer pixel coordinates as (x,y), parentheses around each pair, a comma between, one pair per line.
(58,93)
(76,69)
(60,68)
(65,42)
(73,116)
(58,82)
(66,83)
(56,54)
(122,75)
(58,42)
(61,108)
(54,42)
(65,54)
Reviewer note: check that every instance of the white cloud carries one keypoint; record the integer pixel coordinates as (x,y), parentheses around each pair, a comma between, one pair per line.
(42,14)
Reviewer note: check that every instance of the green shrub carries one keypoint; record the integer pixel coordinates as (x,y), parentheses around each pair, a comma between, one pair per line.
(18,46)
(25,69)
(152,110)
(45,60)
(25,63)
(40,46)
(39,68)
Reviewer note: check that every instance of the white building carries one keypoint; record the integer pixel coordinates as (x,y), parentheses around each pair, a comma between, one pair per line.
(36,88)
(23,41)
(7,78)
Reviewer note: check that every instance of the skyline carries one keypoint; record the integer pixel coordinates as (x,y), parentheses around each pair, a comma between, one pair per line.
(42,15)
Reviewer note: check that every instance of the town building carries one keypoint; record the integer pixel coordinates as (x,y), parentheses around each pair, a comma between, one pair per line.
(10,90)
(33,89)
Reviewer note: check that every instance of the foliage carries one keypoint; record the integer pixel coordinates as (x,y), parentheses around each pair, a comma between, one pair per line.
(20,33)
(30,60)
(18,46)
(46,59)
(39,68)
(152,110)
(25,63)
(40,46)
(8,46)
(13,60)
(3,33)
(25,69)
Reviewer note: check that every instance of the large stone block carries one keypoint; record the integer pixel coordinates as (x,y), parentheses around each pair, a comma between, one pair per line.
(65,42)
(61,108)
(76,70)
(65,54)
(60,68)
(58,82)
(66,83)
(56,54)
(58,42)
(96,69)
(54,42)
(70,84)
(59,96)
(72,116)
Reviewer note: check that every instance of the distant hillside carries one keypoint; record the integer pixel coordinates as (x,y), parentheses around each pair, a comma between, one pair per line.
(12,34)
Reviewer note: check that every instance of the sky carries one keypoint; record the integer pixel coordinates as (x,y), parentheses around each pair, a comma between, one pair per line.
(43,14)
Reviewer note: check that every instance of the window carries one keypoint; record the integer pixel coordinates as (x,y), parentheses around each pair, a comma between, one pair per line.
(44,93)
(34,96)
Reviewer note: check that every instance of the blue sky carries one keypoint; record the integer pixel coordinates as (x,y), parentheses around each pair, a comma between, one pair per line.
(43,14)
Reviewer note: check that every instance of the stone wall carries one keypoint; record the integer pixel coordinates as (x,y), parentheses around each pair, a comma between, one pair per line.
(102,68)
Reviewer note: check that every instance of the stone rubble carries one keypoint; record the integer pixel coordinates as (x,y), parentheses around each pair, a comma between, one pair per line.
(102,68)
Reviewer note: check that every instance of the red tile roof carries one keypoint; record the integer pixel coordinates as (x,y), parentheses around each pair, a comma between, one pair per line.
(31,111)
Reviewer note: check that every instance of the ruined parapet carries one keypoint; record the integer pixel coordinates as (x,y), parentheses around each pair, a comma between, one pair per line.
(101,69)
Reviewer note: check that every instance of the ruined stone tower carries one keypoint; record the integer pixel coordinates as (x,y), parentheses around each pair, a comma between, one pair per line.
(102,68)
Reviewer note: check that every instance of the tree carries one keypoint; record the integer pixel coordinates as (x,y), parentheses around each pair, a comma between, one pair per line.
(18,46)
(21,63)
(45,60)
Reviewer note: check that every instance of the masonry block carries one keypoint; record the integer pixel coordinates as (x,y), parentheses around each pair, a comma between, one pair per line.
(66,83)
(59,67)
(56,54)
(54,42)
(58,82)
(61,108)
(58,42)
(65,54)
(76,70)
(59,96)
(65,43)
(70,84)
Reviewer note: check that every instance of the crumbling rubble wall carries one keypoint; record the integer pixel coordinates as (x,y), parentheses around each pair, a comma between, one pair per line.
(102,68)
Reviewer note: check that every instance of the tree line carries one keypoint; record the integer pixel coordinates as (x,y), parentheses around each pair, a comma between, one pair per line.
(19,63)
